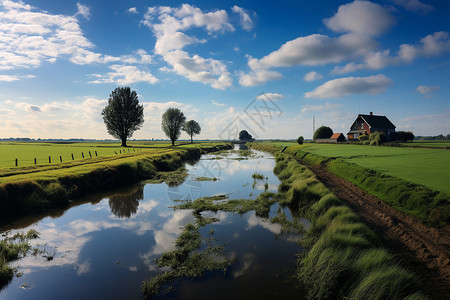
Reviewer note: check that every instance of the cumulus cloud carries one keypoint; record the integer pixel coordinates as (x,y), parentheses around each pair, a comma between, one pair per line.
(30,37)
(83,11)
(432,45)
(132,10)
(312,76)
(270,96)
(342,87)
(124,75)
(169,25)
(258,77)
(246,21)
(427,90)
(362,17)
(414,5)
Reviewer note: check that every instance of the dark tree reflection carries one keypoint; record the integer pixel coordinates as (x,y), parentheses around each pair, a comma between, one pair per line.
(124,205)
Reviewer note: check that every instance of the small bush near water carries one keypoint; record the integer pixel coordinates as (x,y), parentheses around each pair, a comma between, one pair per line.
(11,249)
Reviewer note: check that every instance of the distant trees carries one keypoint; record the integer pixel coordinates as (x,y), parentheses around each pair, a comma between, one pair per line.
(173,121)
(300,140)
(323,132)
(123,115)
(192,127)
(245,136)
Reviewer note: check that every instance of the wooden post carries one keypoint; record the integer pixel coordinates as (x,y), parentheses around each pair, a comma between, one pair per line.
(49,159)
(96,153)
(60,158)
(115,152)
(72,156)
(90,154)
(82,154)
(35,160)
(17,162)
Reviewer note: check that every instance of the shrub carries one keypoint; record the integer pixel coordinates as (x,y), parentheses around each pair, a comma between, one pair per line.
(377,138)
(363,137)
(300,140)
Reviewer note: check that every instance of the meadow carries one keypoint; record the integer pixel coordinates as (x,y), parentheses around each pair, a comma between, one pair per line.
(428,167)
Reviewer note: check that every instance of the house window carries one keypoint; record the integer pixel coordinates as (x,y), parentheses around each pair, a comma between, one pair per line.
(362,125)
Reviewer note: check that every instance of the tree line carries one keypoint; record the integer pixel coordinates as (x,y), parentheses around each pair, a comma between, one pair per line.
(123,115)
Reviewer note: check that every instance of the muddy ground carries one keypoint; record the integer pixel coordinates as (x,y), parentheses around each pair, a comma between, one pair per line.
(422,249)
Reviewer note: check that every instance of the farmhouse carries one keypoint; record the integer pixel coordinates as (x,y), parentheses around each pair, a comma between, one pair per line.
(367,124)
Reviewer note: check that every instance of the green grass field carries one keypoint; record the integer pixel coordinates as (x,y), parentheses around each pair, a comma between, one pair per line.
(420,143)
(429,167)
(26,153)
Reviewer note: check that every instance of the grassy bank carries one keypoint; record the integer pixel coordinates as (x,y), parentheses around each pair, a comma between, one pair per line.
(344,258)
(37,188)
(428,205)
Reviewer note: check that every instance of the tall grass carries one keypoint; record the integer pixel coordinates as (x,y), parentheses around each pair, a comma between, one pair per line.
(344,258)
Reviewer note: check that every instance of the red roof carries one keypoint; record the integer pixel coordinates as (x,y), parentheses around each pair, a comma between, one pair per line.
(335,135)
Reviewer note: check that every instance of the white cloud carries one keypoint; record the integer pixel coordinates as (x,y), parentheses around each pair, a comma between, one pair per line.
(217,103)
(269,96)
(326,106)
(432,45)
(414,5)
(427,90)
(132,10)
(124,75)
(315,49)
(312,76)
(246,21)
(432,124)
(342,87)
(362,17)
(83,10)
(169,25)
(10,78)
(258,77)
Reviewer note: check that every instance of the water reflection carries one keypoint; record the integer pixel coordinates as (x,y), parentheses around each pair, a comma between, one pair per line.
(123,205)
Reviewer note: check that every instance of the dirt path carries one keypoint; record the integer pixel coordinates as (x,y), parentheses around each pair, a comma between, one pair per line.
(423,249)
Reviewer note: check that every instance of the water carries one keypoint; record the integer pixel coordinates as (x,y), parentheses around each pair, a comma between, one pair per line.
(104,246)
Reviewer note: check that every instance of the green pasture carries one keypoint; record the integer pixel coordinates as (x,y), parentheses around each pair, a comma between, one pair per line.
(440,144)
(429,167)
(25,153)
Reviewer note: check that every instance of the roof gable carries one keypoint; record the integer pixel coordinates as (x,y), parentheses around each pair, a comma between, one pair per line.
(336,135)
(377,121)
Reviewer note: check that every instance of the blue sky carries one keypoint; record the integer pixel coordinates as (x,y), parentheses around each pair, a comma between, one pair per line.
(265,66)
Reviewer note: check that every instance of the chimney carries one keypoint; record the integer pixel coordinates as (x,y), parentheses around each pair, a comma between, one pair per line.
(371,113)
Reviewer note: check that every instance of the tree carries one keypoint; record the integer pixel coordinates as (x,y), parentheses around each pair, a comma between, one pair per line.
(123,115)
(377,138)
(192,128)
(172,122)
(323,132)
(300,140)
(404,136)
(244,135)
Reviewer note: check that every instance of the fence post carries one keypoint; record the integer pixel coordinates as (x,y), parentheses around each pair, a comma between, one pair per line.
(115,152)
(60,158)
(35,160)
(82,154)
(72,156)
(90,154)
(49,159)
(96,153)
(17,162)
